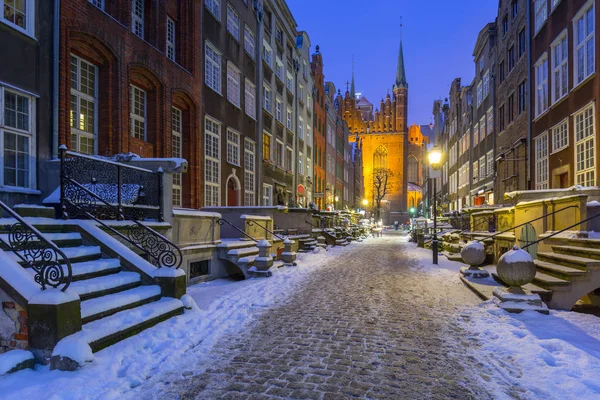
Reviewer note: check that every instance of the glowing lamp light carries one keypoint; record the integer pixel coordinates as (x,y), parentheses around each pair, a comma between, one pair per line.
(412,210)
(365,202)
(435,158)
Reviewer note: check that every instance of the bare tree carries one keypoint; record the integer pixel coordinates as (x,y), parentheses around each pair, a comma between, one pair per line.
(382,185)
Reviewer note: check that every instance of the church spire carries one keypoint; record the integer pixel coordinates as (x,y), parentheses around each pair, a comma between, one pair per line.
(400,73)
(352,89)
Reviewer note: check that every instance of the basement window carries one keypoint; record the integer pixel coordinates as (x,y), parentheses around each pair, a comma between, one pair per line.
(199,268)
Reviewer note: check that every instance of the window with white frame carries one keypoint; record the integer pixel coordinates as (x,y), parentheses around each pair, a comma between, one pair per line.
(541,86)
(214,6)
(308,134)
(490,163)
(479,93)
(278,110)
(279,153)
(249,171)
(250,99)
(584,27)
(289,159)
(267,195)
(541,161)
(486,84)
(482,167)
(84,99)
(233,84)
(233,147)
(233,23)
(476,171)
(301,93)
(289,119)
(585,145)
(300,158)
(279,68)
(249,42)
(176,151)
(19,14)
(308,165)
(541,13)
(560,68)
(212,162)
(289,82)
(267,99)
(212,67)
(476,134)
(490,121)
(482,125)
(300,128)
(267,54)
(560,136)
(137,114)
(137,18)
(16,129)
(170,39)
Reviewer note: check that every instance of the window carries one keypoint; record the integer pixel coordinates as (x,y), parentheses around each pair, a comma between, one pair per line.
(289,119)
(170,39)
(482,167)
(20,15)
(308,165)
(541,86)
(176,151)
(300,128)
(233,147)
(555,3)
(511,58)
(490,163)
(490,121)
(481,64)
(267,99)
(266,146)
(84,98)
(214,6)
(560,136)
(278,110)
(413,170)
(279,153)
(301,93)
(249,171)
(137,18)
(505,24)
(476,135)
(486,84)
(212,162)
(501,122)
(560,67)
(267,54)
(212,67)
(476,171)
(585,47)
(138,112)
(300,158)
(541,161)
(521,43)
(250,99)
(501,71)
(585,174)
(511,108)
(479,93)
(308,133)
(233,84)
(515,8)
(289,159)
(267,195)
(233,23)
(16,131)
(279,68)
(522,93)
(249,42)
(482,127)
(289,82)
(541,14)
(97,3)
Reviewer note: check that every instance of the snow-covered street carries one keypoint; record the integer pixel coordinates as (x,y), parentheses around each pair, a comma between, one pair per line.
(371,320)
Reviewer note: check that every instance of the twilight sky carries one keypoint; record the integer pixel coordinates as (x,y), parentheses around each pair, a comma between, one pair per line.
(438,40)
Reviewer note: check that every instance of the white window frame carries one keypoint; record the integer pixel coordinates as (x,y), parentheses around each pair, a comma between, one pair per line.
(476,171)
(541,85)
(29,12)
(486,84)
(176,151)
(214,6)
(541,162)
(267,99)
(171,38)
(490,121)
(278,110)
(279,69)
(267,194)
(482,128)
(134,112)
(560,72)
(233,85)
(233,22)
(585,144)
(560,135)
(212,67)
(250,98)
(540,12)
(97,3)
(482,168)
(289,161)
(490,162)
(249,172)
(27,133)
(300,159)
(279,153)
(267,54)
(233,147)
(289,120)
(479,93)
(249,42)
(137,18)
(583,46)
(78,134)
(289,82)
(300,128)
(212,161)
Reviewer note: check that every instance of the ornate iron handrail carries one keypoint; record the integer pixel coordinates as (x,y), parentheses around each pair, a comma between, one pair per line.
(38,253)
(222,221)
(525,223)
(251,223)
(489,219)
(561,231)
(161,250)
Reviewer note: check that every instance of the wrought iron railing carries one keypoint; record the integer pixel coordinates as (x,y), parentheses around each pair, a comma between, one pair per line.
(52,268)
(561,231)
(222,221)
(120,187)
(252,223)
(490,220)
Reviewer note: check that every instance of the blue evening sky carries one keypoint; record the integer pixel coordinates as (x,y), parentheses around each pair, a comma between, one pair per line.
(438,41)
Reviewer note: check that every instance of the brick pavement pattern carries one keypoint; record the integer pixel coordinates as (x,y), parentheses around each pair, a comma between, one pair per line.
(370,325)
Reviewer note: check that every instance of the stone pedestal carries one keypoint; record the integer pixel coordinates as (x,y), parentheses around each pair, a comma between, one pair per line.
(288,256)
(264,261)
(473,254)
(172,282)
(516,300)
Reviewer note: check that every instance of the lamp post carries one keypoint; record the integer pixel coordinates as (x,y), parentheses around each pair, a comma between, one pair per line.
(435,161)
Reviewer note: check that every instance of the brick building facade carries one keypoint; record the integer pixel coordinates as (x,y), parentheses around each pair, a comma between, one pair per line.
(319,123)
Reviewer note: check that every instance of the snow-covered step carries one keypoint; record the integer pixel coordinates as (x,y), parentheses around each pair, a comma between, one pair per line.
(548,281)
(235,244)
(94,268)
(110,304)
(58,238)
(568,260)
(74,254)
(110,330)
(247,251)
(248,260)
(103,285)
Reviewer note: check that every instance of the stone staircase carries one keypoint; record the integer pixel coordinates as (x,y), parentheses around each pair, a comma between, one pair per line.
(243,254)
(306,243)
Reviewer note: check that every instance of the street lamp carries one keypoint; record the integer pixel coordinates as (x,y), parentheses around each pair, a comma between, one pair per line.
(435,161)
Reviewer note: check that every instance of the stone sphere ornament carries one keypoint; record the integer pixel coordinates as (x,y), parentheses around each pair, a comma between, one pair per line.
(516,267)
(473,253)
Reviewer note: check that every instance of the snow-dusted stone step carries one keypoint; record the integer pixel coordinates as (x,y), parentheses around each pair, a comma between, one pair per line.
(110,330)
(74,254)
(244,252)
(548,281)
(94,268)
(104,285)
(235,244)
(65,239)
(559,270)
(104,306)
(568,260)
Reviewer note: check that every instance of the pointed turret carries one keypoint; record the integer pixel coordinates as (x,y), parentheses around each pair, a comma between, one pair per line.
(352,89)
(400,73)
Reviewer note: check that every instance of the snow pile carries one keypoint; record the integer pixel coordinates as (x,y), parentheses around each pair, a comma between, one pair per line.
(74,348)
(11,359)
(476,246)
(554,356)
(515,256)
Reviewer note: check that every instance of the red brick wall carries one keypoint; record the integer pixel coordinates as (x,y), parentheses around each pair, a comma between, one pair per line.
(105,39)
(18,317)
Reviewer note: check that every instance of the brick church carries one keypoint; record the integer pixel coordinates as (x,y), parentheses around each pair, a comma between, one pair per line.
(387,142)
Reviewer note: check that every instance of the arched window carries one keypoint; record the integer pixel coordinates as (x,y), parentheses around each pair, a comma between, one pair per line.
(380,158)
(413,169)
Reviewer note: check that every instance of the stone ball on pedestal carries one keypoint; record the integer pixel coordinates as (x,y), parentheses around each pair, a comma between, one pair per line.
(516,267)
(473,253)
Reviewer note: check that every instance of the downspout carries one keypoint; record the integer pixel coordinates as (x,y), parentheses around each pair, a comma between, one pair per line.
(528,144)
(258,167)
(55,77)
(296,66)
(495,181)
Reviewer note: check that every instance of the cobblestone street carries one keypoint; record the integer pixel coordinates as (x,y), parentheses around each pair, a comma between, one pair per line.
(372,324)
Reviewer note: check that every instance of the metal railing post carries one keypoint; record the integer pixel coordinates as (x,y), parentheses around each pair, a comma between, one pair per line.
(120,193)
(63,206)
(161,210)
